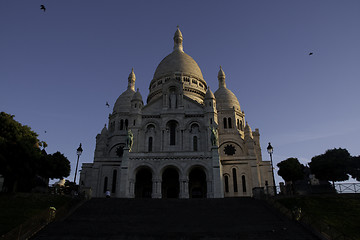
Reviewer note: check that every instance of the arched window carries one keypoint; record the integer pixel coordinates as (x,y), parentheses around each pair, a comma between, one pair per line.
(210,120)
(150,144)
(234,180)
(113,187)
(105,184)
(229,124)
(134,122)
(172,126)
(135,105)
(195,143)
(225,123)
(243,183)
(121,124)
(241,127)
(126,124)
(238,124)
(226,179)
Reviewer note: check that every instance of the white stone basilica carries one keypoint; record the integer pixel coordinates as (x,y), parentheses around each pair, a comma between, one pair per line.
(186,142)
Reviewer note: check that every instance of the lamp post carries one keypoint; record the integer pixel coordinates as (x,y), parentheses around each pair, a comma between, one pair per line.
(270,150)
(78,152)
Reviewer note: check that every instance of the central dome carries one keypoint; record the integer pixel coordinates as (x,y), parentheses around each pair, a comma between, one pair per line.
(178,62)
(180,67)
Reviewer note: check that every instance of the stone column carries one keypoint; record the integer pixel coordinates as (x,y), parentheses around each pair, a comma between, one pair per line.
(124,181)
(184,188)
(218,191)
(156,188)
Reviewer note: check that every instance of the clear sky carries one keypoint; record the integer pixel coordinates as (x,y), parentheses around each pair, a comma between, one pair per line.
(58,68)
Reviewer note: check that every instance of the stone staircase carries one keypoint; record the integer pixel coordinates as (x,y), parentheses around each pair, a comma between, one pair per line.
(205,219)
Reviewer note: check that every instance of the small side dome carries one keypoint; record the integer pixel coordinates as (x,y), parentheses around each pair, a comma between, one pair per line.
(137,96)
(209,94)
(123,103)
(104,131)
(225,98)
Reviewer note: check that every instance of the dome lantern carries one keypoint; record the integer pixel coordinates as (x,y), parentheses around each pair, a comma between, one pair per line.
(221,78)
(131,80)
(178,39)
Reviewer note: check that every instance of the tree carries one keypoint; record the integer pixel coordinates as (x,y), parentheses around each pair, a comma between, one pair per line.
(354,167)
(331,166)
(59,165)
(291,169)
(19,153)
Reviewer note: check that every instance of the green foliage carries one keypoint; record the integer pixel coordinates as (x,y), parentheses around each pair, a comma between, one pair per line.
(291,169)
(19,153)
(354,167)
(332,165)
(21,159)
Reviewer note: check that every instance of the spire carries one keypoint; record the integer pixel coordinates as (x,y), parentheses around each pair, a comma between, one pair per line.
(221,78)
(131,80)
(178,39)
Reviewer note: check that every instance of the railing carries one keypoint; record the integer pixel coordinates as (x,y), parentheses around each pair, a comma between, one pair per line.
(29,228)
(347,187)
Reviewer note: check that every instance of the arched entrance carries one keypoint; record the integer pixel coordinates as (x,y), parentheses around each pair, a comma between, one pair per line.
(143,183)
(170,183)
(197,183)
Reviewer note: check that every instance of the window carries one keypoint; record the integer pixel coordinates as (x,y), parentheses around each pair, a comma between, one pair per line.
(238,124)
(234,180)
(172,133)
(150,143)
(195,143)
(126,124)
(105,184)
(225,123)
(134,122)
(226,183)
(135,105)
(121,124)
(210,120)
(243,183)
(113,187)
(229,124)
(229,150)
(241,125)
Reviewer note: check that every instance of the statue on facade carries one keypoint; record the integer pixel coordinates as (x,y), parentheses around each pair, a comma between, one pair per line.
(214,137)
(129,139)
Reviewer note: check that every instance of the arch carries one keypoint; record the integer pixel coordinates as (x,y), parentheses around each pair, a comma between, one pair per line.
(114,178)
(234,180)
(225,123)
(143,183)
(229,123)
(150,144)
(243,180)
(195,143)
(197,183)
(226,183)
(105,184)
(172,125)
(170,185)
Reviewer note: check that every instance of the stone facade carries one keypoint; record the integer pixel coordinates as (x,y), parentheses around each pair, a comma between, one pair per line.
(186,142)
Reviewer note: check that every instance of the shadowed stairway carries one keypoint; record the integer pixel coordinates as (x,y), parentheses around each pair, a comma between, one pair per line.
(230,218)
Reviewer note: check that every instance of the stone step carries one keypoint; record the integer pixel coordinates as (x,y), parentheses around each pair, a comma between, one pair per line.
(230,218)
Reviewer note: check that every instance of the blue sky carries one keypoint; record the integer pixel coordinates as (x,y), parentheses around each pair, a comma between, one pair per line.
(58,68)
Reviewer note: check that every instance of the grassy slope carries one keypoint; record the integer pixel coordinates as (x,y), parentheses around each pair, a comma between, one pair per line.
(341,212)
(17,208)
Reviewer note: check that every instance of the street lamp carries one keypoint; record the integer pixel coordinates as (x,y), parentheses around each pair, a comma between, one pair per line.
(270,150)
(78,152)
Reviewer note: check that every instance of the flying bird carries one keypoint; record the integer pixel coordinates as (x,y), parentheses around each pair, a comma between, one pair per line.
(42,7)
(107,104)
(311,54)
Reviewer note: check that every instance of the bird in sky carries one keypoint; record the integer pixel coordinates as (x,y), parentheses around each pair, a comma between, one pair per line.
(107,104)
(45,131)
(42,7)
(311,54)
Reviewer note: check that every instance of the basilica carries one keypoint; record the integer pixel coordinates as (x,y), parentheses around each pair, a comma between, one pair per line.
(185,142)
